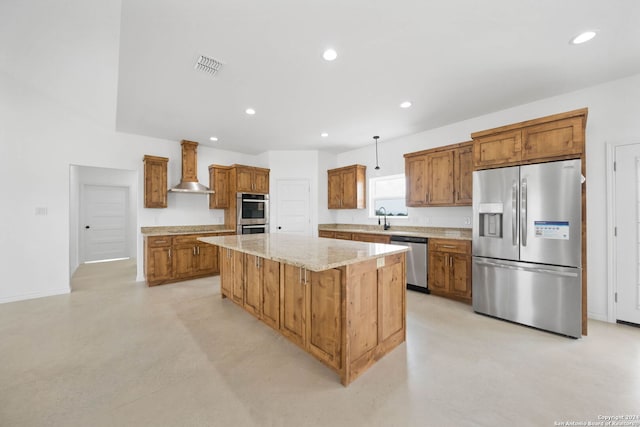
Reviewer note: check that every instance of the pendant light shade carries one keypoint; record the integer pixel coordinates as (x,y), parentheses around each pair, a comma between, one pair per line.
(376,139)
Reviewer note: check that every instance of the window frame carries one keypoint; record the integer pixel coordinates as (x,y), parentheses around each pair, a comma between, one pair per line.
(372,198)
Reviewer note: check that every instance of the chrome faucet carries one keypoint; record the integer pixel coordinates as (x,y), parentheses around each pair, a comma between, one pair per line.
(386,224)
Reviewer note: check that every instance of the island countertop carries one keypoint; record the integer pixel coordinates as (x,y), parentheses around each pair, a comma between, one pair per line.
(312,253)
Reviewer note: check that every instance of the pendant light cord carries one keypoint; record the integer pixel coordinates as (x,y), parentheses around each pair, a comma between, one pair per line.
(377,165)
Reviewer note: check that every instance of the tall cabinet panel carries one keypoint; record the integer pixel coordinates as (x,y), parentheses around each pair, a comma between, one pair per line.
(155,182)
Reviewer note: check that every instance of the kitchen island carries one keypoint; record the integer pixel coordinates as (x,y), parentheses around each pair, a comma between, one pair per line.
(341,301)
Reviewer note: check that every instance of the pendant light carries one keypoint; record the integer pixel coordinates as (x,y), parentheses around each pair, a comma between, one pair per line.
(377,165)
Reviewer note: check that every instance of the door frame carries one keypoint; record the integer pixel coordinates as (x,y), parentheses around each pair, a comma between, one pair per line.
(612,280)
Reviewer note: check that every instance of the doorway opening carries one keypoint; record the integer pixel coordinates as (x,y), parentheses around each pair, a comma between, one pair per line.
(102,215)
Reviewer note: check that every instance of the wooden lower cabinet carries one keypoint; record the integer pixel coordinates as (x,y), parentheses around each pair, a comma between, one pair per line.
(171,258)
(158,260)
(293,304)
(450,268)
(328,234)
(371,238)
(270,309)
(346,317)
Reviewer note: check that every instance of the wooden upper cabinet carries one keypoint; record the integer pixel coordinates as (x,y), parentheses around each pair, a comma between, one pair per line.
(557,137)
(219,182)
(498,150)
(189,161)
(463,175)
(347,187)
(415,169)
(439,177)
(155,182)
(252,179)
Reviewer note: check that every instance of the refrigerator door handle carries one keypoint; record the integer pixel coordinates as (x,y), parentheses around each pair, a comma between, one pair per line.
(523,212)
(514,213)
(532,270)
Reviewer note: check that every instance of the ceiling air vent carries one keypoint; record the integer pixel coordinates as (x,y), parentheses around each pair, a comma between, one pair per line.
(208,65)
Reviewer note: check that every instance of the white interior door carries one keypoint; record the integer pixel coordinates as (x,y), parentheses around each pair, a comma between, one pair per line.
(293,215)
(104,223)
(627,241)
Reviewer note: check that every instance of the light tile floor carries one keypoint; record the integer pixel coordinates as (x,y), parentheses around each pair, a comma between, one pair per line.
(116,353)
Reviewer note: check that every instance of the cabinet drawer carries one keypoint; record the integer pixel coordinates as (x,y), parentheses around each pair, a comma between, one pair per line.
(343,235)
(329,234)
(449,245)
(159,241)
(186,239)
(371,238)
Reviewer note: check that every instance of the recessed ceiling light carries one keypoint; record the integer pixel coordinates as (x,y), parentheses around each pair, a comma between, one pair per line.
(324,134)
(250,111)
(583,37)
(405,104)
(330,55)
(213,138)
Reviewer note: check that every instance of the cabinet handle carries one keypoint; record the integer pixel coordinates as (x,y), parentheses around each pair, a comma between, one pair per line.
(448,246)
(450,261)
(305,276)
(198,249)
(194,251)
(169,253)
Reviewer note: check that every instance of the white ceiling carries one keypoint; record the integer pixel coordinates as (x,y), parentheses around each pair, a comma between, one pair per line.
(453,60)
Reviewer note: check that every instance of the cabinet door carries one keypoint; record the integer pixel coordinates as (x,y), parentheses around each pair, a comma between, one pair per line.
(237,291)
(253,284)
(438,272)
(207,259)
(292,304)
(155,182)
(219,182)
(324,323)
(184,259)
(463,175)
(440,178)
(460,280)
(226,272)
(158,265)
(392,290)
(497,150)
(261,181)
(555,139)
(335,189)
(244,179)
(415,171)
(271,293)
(349,196)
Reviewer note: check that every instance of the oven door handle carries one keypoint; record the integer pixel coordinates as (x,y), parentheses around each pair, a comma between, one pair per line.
(255,226)
(254,200)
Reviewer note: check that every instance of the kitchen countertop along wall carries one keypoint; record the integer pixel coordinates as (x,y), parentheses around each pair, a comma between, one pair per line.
(185,229)
(428,232)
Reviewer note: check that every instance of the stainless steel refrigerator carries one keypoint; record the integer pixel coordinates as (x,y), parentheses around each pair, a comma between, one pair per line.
(527,251)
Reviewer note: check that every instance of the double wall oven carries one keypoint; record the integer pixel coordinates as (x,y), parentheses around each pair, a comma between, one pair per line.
(253,213)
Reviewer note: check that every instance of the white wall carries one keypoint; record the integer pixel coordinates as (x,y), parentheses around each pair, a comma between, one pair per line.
(614,115)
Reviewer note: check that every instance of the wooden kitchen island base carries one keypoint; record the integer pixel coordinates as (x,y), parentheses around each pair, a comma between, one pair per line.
(348,317)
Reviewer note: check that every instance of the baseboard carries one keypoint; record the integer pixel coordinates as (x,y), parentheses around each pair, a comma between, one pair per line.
(597,316)
(33,295)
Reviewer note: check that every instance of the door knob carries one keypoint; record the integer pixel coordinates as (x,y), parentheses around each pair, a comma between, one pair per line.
(86,226)
(279,228)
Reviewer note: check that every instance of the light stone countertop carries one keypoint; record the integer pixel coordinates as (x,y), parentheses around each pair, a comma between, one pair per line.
(177,230)
(312,253)
(428,232)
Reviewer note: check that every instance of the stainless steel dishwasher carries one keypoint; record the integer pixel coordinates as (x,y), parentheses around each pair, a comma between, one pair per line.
(416,261)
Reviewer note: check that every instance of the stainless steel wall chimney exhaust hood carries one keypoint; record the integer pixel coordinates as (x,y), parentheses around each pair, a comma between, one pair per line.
(189,181)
